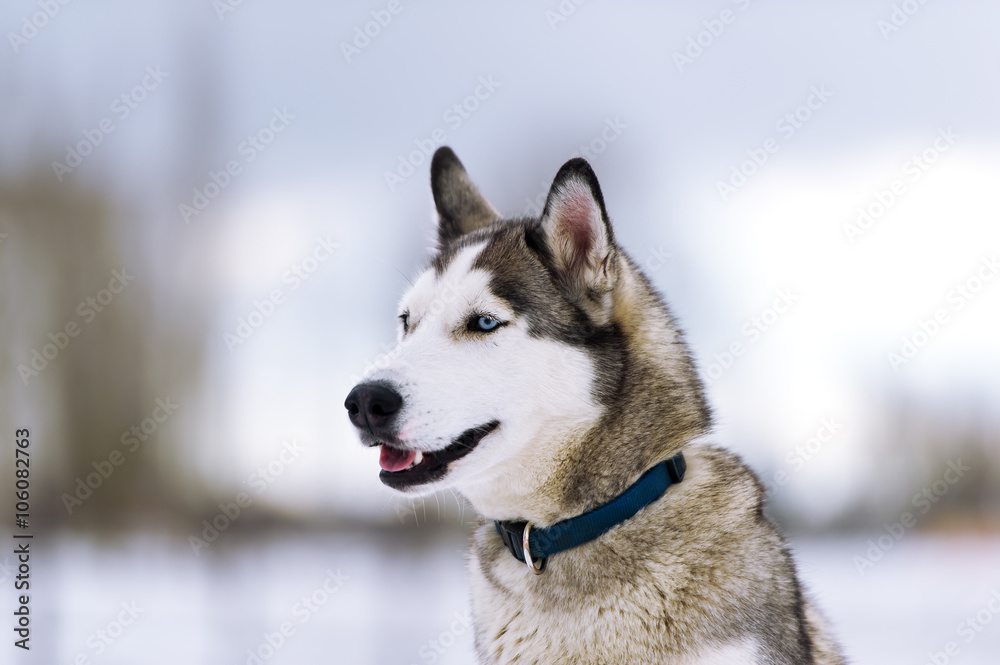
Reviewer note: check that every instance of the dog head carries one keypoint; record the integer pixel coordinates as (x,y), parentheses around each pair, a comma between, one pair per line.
(532,356)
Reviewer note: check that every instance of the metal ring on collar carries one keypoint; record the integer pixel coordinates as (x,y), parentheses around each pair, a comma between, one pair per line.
(526,548)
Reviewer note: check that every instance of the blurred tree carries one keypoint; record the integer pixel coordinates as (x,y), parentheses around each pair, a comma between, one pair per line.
(63,240)
(73,358)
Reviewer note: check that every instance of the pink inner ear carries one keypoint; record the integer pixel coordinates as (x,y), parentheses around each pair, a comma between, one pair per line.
(576,224)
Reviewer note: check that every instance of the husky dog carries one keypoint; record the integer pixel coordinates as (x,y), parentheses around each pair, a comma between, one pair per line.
(540,375)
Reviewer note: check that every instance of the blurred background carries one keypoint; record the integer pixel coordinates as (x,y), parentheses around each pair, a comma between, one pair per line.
(208,211)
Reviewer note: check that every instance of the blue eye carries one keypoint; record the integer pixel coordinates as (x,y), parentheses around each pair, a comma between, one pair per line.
(484,324)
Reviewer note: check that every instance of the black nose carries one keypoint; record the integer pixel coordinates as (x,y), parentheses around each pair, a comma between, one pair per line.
(372,406)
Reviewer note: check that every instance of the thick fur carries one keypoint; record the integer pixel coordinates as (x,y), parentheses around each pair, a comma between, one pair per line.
(698,577)
(592,384)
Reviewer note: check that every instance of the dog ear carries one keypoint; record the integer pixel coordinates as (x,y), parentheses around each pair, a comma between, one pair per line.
(578,234)
(461,208)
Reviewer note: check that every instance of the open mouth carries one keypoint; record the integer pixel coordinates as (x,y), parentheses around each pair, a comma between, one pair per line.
(404,468)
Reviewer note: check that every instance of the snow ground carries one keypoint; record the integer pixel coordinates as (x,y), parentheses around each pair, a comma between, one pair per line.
(398,599)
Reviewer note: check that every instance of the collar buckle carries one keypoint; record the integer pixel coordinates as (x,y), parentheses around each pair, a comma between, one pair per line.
(512,535)
(516,537)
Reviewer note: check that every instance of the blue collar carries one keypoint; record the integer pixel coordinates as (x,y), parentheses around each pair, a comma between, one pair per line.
(539,543)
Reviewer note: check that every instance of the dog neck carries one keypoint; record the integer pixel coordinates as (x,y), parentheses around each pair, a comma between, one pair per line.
(533,546)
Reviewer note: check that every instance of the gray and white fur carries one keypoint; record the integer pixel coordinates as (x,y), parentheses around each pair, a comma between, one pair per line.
(540,374)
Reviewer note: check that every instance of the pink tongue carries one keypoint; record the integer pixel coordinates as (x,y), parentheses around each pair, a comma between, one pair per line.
(392,459)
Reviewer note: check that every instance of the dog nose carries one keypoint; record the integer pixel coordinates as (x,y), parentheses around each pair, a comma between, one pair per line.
(372,405)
